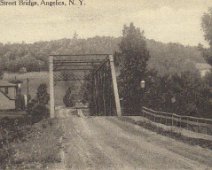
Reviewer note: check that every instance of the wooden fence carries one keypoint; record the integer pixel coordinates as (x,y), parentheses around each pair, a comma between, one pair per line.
(200,125)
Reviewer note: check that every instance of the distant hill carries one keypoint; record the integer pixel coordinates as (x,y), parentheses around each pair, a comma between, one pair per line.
(173,57)
(166,58)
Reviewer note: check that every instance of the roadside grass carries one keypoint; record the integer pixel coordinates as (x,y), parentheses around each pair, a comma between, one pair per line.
(26,146)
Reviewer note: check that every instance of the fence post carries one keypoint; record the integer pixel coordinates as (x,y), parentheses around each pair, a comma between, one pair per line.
(206,127)
(198,128)
(187,123)
(27,88)
(206,130)
(172,120)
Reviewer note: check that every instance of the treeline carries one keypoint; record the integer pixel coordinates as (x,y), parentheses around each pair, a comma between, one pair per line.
(186,94)
(166,58)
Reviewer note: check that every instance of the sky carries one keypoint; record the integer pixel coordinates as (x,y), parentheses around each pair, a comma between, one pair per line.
(162,20)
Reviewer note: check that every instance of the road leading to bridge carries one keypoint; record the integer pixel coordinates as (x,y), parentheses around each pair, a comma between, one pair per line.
(109,143)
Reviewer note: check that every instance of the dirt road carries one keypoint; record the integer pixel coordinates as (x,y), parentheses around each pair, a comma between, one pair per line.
(109,143)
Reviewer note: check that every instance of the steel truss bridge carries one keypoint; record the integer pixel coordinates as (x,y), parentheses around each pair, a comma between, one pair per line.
(97,70)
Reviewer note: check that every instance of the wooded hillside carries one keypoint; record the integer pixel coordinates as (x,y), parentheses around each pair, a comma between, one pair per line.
(165,58)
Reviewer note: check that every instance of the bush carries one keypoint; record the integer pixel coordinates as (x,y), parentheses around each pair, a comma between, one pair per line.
(39,112)
(37,107)
(68,98)
(42,94)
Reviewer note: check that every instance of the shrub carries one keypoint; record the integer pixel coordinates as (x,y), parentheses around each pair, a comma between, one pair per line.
(42,94)
(68,98)
(39,112)
(37,107)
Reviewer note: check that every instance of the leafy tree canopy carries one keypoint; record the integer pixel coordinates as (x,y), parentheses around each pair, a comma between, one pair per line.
(133,65)
(207,28)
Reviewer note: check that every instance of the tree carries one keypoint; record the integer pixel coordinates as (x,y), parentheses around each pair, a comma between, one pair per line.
(133,66)
(207,53)
(207,28)
(1,70)
(75,36)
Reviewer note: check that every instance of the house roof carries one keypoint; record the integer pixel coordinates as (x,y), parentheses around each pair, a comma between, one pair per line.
(203,66)
(4,83)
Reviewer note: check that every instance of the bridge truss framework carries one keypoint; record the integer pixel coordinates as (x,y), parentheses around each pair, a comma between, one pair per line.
(101,73)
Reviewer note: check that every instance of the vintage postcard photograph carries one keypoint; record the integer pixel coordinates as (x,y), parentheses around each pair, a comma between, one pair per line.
(105,84)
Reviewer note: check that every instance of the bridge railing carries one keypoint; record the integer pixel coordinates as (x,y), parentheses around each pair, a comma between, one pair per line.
(195,124)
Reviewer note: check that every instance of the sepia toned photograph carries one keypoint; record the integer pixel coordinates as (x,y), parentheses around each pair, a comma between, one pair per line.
(105,84)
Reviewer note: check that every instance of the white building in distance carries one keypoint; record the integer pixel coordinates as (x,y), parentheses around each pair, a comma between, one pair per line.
(203,68)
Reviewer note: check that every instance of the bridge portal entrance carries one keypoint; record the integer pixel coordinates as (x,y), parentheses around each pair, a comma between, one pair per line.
(95,71)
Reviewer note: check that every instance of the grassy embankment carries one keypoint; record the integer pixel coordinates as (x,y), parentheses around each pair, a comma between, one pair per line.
(23,145)
(26,146)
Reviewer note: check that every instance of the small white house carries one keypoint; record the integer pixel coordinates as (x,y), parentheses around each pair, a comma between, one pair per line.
(203,68)
(23,70)
(7,95)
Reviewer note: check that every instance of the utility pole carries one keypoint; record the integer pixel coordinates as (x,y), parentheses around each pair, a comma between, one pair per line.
(51,87)
(27,87)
